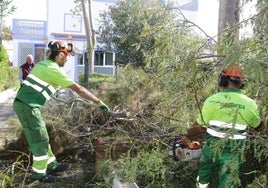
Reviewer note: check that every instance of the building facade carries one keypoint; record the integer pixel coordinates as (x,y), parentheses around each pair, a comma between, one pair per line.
(32,36)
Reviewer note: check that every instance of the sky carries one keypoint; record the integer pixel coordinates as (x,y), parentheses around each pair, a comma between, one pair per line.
(206,18)
(28,9)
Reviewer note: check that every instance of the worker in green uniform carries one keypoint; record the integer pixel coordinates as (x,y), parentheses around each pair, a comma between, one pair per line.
(225,118)
(37,88)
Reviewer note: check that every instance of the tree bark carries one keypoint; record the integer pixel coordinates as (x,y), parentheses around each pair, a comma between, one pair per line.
(92,38)
(228,17)
(88,66)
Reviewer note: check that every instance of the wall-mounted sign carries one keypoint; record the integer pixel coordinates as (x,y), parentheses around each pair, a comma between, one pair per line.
(72,23)
(29,29)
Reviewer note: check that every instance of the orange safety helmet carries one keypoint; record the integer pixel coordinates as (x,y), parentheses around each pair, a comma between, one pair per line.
(234,70)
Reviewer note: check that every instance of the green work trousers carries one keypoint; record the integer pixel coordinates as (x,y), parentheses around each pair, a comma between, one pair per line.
(224,155)
(37,137)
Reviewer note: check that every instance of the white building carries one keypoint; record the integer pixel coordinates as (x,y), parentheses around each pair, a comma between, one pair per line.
(31,36)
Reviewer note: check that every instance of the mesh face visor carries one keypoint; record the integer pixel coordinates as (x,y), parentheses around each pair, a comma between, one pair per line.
(63,48)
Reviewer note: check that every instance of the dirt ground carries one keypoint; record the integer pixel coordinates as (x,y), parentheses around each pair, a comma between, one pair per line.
(15,167)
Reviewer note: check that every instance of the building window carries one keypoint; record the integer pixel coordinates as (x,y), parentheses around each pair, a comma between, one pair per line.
(72,22)
(101,58)
(98,58)
(108,58)
(82,59)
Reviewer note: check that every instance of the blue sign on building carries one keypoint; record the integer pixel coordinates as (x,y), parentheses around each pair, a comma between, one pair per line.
(29,29)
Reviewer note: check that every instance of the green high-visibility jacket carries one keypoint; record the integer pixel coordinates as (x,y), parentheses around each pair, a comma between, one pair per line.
(42,82)
(228,113)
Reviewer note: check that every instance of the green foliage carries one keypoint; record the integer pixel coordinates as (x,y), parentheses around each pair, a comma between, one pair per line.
(5,179)
(132,85)
(149,163)
(155,38)
(9,75)
(7,33)
(171,98)
(9,78)
(164,88)
(12,168)
(96,79)
(7,8)
(151,167)
(136,31)
(260,26)
(3,57)
(3,67)
(260,181)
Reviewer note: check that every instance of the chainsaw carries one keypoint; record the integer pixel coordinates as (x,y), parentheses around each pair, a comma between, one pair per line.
(183,150)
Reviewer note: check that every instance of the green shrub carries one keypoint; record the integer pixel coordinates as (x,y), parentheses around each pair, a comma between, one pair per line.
(3,57)
(95,80)
(152,168)
(9,75)
(9,78)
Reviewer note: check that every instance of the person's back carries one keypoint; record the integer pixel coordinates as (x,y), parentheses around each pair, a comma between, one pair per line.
(225,118)
(229,108)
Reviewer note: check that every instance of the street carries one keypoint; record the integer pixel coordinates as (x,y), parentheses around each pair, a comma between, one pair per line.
(6,112)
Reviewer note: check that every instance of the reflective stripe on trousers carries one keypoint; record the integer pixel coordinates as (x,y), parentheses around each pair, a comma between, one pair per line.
(200,185)
(40,163)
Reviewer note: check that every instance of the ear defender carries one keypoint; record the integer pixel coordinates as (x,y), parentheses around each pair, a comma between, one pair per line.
(54,46)
(50,44)
(222,80)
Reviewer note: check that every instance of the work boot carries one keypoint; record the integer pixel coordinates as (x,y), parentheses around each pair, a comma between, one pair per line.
(46,179)
(60,168)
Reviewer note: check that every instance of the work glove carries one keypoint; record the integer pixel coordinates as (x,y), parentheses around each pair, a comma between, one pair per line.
(104,107)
